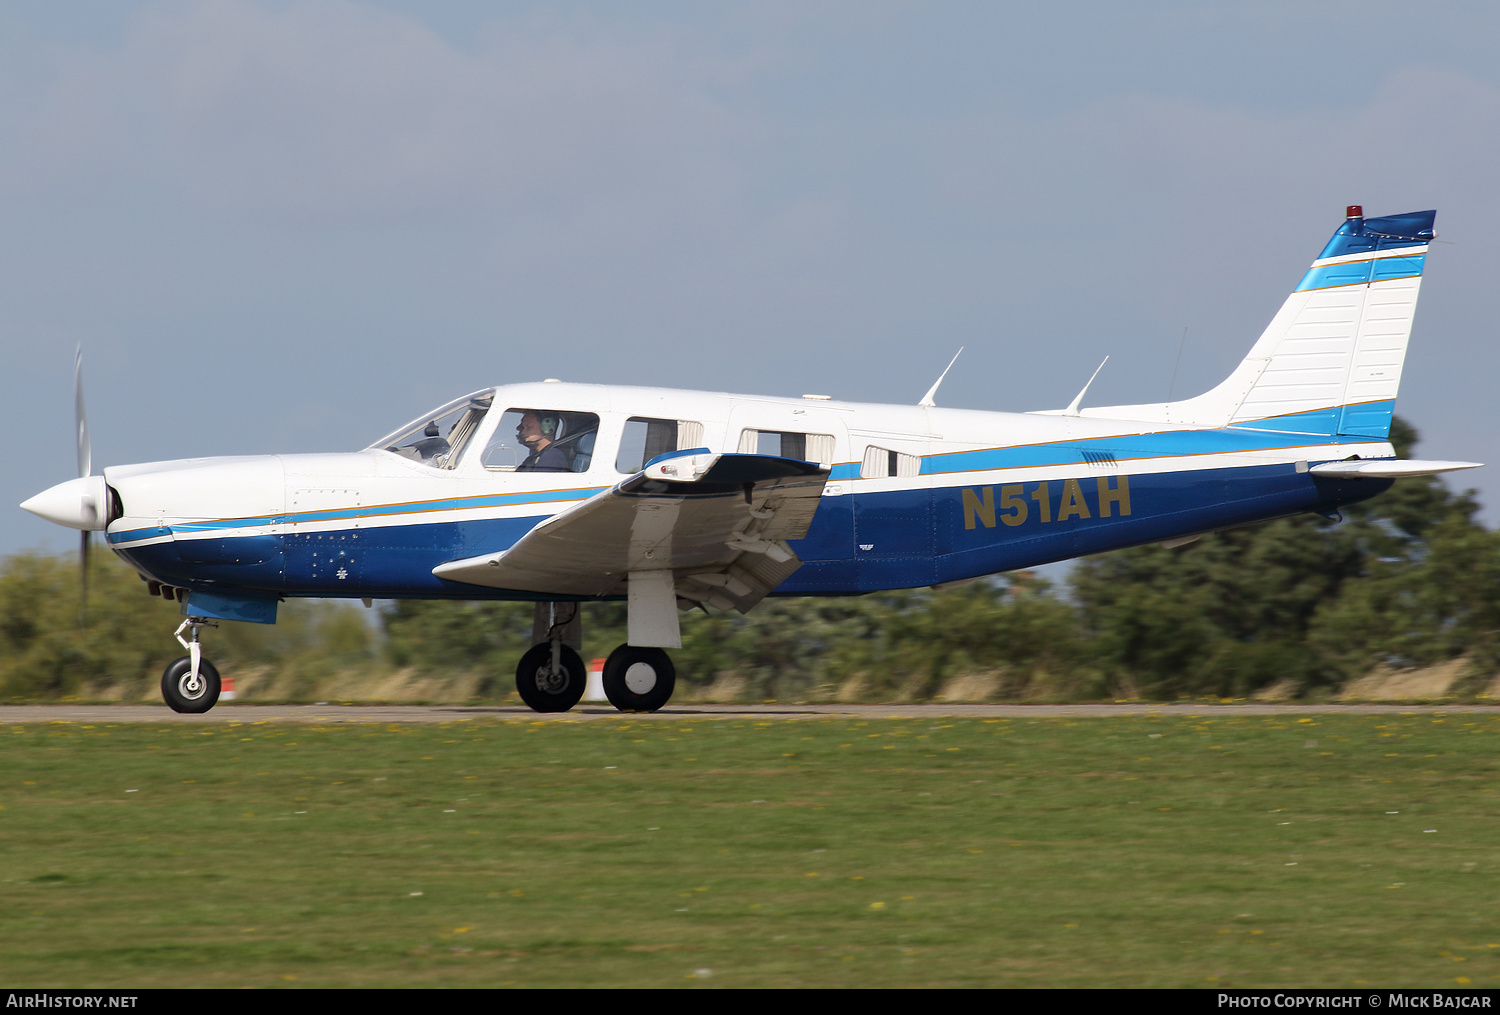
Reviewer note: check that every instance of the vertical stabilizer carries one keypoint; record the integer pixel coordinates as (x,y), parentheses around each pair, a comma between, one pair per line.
(1330,361)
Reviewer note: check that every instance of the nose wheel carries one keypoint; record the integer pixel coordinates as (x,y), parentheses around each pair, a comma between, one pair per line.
(190,684)
(638,679)
(186,691)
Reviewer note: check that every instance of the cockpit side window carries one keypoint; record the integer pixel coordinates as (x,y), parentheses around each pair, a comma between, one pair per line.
(438,441)
(542,440)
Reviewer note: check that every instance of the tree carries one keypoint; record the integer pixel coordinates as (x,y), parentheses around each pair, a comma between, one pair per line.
(1303,599)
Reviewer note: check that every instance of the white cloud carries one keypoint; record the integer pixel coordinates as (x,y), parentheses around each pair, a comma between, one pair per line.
(331,111)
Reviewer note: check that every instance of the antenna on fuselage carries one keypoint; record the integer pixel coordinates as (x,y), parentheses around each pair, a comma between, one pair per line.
(927,402)
(1072,409)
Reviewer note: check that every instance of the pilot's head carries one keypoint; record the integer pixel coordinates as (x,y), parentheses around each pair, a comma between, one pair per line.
(536,431)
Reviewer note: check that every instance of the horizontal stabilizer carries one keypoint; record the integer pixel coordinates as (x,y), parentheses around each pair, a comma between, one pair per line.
(1388,468)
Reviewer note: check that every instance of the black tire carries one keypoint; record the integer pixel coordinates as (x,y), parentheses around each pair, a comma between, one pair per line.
(181,698)
(545,691)
(644,689)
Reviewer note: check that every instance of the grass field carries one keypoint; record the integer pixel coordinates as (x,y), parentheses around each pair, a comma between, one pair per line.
(1194,852)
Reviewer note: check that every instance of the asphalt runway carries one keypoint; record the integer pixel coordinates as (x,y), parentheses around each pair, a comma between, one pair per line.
(238,713)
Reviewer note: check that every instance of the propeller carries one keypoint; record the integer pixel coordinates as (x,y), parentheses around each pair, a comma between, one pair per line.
(85,469)
(81,503)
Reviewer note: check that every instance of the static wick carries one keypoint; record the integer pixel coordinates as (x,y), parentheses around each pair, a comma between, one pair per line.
(1180,346)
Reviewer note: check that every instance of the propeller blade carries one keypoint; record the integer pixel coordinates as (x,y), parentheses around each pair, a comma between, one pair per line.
(85,452)
(83,578)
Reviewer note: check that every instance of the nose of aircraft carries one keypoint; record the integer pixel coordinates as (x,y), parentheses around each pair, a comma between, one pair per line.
(78,504)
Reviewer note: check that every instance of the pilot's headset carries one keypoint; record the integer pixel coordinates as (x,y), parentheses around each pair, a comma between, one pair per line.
(548,425)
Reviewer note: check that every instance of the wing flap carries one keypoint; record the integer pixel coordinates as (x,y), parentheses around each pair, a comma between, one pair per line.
(720,523)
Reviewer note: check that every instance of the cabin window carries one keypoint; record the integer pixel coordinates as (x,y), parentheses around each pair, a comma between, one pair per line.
(542,440)
(438,440)
(881,463)
(646,438)
(807,447)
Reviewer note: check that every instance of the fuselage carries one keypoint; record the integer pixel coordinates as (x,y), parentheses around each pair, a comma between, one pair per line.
(916,496)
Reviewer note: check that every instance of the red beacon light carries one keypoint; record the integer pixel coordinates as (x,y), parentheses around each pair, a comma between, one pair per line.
(1354,211)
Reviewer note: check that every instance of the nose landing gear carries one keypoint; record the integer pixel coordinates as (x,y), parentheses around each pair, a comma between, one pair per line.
(190,684)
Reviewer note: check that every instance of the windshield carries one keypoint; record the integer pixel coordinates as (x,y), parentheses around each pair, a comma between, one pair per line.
(437,438)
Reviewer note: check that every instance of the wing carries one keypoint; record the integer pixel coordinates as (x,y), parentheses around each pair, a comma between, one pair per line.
(720,523)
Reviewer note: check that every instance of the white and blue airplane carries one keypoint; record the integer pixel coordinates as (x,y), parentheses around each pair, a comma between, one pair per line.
(561,494)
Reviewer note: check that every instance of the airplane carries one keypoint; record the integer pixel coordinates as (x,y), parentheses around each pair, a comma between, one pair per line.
(560,493)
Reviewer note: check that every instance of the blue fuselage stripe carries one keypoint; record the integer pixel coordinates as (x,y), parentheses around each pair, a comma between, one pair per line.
(1249,436)
(382,511)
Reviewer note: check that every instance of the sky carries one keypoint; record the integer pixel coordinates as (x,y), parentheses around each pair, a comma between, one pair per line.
(285,226)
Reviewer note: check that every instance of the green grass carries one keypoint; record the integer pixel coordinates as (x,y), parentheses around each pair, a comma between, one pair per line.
(1252,851)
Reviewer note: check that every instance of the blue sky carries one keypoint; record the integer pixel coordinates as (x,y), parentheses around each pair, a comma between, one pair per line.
(285,226)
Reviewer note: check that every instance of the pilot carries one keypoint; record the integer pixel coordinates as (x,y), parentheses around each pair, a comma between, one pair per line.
(538,432)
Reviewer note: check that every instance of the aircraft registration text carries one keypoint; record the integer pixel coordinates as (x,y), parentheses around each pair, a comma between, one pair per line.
(1014,509)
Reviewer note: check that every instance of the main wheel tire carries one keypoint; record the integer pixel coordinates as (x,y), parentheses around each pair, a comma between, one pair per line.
(545,691)
(638,679)
(182,698)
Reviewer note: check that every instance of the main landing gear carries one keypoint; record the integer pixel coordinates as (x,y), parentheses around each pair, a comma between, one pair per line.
(191,683)
(551,675)
(638,679)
